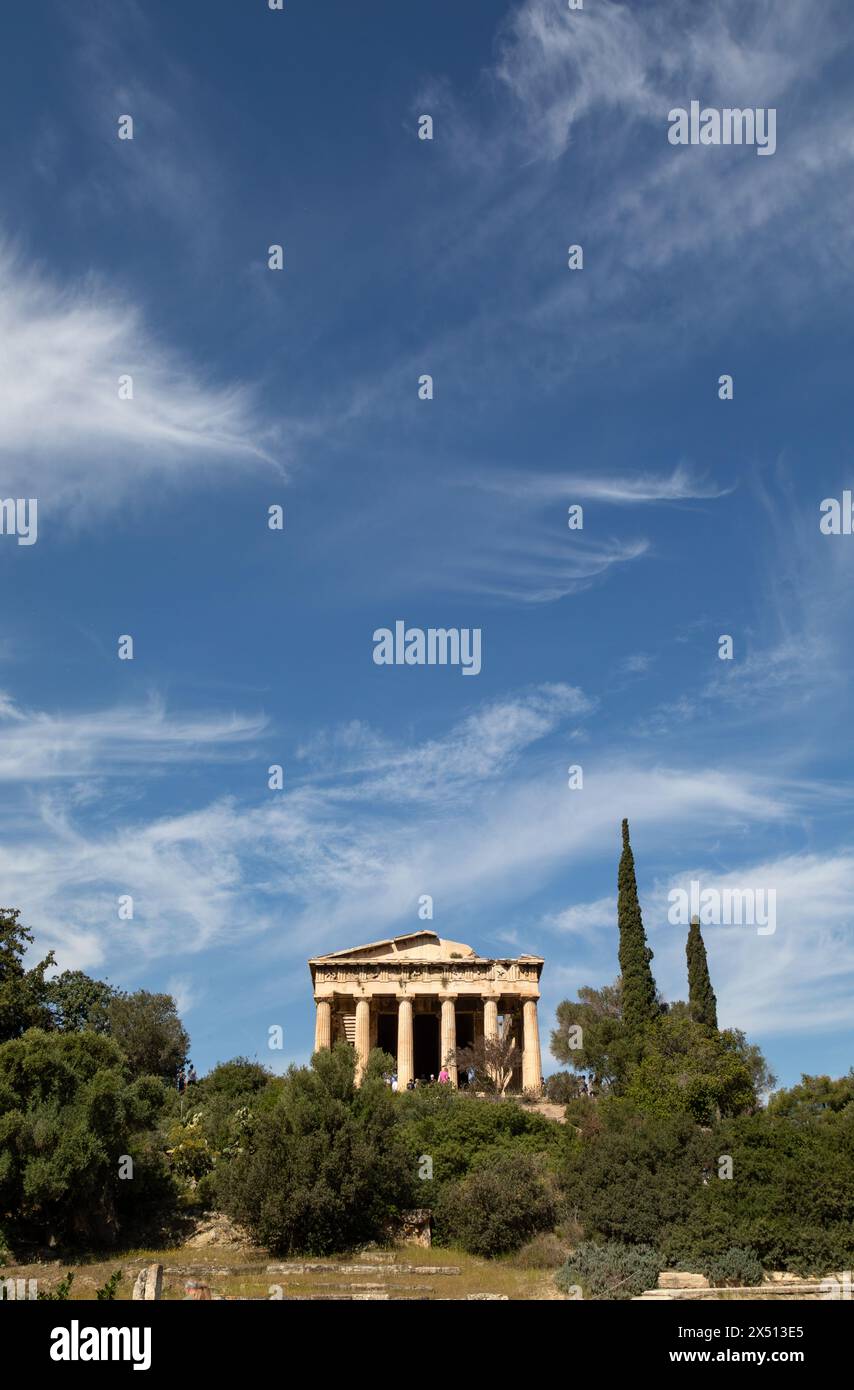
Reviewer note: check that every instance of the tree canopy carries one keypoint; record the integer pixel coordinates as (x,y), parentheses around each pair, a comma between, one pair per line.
(23,993)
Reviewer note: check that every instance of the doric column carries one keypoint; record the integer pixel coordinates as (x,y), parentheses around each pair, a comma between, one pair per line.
(323,1025)
(490,1017)
(448,1049)
(363,1036)
(405,1049)
(531,1064)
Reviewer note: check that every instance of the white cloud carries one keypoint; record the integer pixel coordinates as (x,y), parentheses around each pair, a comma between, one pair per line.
(37,746)
(489,821)
(482,747)
(535,488)
(800,978)
(584,919)
(637,664)
(562,66)
(67,438)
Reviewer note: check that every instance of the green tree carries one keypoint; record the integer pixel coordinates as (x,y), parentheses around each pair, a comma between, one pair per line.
(77,1001)
(686,1069)
(640,1001)
(591,1035)
(761,1076)
(68,1114)
(815,1098)
(701,997)
(237,1080)
(149,1032)
(23,993)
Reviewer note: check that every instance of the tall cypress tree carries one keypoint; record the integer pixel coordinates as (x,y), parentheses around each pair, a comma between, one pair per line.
(702,1003)
(639,993)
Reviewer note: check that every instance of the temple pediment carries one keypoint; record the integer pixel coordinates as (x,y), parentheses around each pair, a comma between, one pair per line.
(422,945)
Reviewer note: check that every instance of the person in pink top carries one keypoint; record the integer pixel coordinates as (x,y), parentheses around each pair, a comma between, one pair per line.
(444,1075)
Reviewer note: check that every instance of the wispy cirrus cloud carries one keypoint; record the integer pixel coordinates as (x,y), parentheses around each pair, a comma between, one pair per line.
(535,488)
(798,978)
(562,66)
(519,554)
(37,746)
(488,815)
(564,85)
(304,860)
(68,438)
(482,747)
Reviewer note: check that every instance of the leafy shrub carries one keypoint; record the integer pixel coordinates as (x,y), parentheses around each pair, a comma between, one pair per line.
(110,1289)
(67,1111)
(546,1251)
(632,1177)
(612,1270)
(205,1194)
(688,1069)
(223,1099)
(735,1267)
(461,1132)
(792,1199)
(496,1207)
(325,1168)
(189,1152)
(60,1293)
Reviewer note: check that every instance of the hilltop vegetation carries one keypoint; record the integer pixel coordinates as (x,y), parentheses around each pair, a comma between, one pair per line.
(667,1154)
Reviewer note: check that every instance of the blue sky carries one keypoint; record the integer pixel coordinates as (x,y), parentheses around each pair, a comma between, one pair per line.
(553,387)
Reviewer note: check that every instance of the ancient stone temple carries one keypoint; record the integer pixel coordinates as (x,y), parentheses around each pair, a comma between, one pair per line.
(420,998)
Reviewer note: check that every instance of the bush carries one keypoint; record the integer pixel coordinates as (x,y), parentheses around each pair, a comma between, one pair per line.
(189,1152)
(736,1267)
(461,1132)
(325,1168)
(791,1199)
(67,1112)
(546,1251)
(630,1179)
(610,1271)
(109,1291)
(60,1292)
(496,1207)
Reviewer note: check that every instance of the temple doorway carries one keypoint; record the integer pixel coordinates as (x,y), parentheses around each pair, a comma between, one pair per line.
(387,1033)
(425,1037)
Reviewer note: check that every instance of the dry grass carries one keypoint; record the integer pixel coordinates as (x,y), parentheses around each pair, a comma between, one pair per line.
(236,1275)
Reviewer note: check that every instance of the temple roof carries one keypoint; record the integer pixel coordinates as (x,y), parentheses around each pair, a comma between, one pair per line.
(420,945)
